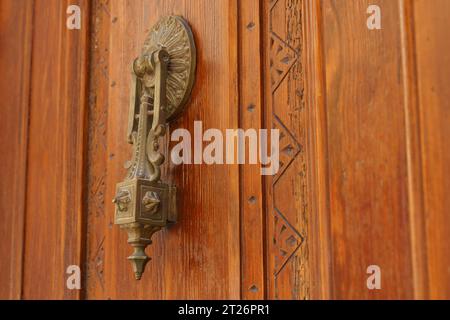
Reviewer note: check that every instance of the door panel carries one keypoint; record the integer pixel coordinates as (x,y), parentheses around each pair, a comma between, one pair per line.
(15,48)
(199,256)
(54,195)
(42,93)
(377,101)
(367,150)
(433,66)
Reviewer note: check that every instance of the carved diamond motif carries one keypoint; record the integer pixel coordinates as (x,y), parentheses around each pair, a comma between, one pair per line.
(282,58)
(289,147)
(286,241)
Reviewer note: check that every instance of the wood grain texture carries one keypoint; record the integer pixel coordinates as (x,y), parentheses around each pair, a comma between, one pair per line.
(413,148)
(288,211)
(250,117)
(15,48)
(98,221)
(433,74)
(367,157)
(54,203)
(364,157)
(316,128)
(199,256)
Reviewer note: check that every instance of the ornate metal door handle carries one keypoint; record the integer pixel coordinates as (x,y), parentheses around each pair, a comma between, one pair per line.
(162,79)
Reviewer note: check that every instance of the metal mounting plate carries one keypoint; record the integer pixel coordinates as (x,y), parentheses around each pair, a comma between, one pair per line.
(174,35)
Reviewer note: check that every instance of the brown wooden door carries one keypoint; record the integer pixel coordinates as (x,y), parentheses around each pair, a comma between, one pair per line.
(364,160)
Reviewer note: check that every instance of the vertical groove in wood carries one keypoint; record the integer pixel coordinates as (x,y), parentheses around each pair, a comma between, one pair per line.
(97,220)
(82,66)
(234,225)
(264,64)
(250,115)
(413,147)
(15,62)
(26,126)
(321,273)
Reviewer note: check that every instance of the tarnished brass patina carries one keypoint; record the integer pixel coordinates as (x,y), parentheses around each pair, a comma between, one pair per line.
(162,79)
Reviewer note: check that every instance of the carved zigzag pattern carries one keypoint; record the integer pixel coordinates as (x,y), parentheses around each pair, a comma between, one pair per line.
(286,239)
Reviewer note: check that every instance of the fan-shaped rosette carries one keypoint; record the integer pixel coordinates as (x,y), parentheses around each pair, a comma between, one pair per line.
(173,34)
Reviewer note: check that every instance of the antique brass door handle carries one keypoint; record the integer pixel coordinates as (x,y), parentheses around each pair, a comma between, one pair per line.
(162,80)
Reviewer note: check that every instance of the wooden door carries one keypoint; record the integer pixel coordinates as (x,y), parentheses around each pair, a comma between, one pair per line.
(364,157)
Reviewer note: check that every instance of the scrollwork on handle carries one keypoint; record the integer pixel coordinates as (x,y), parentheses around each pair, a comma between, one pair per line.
(162,79)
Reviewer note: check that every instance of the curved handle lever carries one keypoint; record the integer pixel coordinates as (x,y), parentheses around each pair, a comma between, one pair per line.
(162,79)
